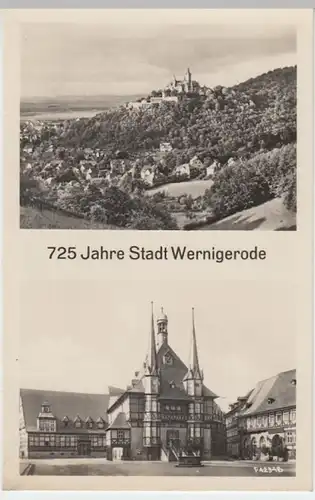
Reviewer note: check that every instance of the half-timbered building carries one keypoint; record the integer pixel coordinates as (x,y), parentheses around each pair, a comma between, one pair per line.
(166,411)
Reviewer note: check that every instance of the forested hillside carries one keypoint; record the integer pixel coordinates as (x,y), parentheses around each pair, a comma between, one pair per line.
(257,114)
(247,133)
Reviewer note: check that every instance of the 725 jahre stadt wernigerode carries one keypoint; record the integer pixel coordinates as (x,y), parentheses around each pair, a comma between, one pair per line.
(140,253)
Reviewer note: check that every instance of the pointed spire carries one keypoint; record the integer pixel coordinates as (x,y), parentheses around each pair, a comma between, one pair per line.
(194,361)
(151,364)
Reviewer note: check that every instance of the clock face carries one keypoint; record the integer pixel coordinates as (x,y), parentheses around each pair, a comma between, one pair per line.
(168,360)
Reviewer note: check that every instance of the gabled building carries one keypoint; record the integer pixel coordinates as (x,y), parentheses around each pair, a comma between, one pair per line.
(265,420)
(167,410)
(62,424)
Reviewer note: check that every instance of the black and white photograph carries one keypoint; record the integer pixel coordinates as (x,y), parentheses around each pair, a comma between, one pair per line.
(163,122)
(121,386)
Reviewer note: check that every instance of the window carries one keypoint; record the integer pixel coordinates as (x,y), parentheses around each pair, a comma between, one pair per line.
(190,386)
(178,408)
(293,381)
(258,421)
(292,416)
(120,434)
(172,407)
(45,407)
(46,425)
(271,400)
(291,437)
(286,417)
(167,407)
(265,421)
(279,418)
(271,419)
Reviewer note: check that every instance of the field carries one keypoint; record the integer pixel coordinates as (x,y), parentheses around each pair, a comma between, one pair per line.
(66,107)
(194,188)
(270,216)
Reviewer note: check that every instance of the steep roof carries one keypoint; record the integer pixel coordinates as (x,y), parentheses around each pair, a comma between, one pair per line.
(175,372)
(120,422)
(171,377)
(64,404)
(278,389)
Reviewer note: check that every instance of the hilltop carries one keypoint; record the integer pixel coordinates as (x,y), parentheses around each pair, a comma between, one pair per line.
(259,113)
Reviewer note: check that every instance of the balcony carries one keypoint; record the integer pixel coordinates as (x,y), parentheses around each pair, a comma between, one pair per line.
(120,442)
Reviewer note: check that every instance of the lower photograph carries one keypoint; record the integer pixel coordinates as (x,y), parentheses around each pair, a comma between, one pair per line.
(157,379)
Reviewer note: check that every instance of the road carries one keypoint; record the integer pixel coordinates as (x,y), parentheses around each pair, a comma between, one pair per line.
(100,467)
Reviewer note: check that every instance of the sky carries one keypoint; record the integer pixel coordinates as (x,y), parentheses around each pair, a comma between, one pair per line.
(78,59)
(84,335)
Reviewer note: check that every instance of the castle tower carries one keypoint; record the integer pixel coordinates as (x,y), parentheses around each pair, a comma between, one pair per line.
(193,382)
(151,421)
(188,80)
(162,334)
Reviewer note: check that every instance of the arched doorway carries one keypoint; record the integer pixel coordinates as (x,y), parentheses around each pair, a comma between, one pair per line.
(246,448)
(263,447)
(277,445)
(254,446)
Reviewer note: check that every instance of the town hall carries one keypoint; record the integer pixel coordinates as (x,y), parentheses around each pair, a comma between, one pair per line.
(166,412)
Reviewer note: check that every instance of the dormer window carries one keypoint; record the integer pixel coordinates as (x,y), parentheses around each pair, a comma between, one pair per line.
(65,421)
(270,401)
(89,423)
(46,421)
(172,385)
(46,425)
(77,422)
(293,381)
(100,423)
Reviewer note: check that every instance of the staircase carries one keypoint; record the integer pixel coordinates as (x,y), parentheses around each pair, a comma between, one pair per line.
(174,452)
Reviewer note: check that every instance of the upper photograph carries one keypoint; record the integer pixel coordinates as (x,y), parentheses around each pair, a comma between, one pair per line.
(160,123)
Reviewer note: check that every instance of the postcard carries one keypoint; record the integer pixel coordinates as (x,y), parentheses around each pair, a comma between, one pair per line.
(137,346)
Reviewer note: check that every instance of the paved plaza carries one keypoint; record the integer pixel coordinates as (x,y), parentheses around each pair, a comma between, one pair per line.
(101,467)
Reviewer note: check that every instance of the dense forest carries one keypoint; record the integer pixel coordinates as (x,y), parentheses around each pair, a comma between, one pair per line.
(257,114)
(253,123)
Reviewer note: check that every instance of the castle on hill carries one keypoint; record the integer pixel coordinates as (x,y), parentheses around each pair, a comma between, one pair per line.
(172,92)
(185,85)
